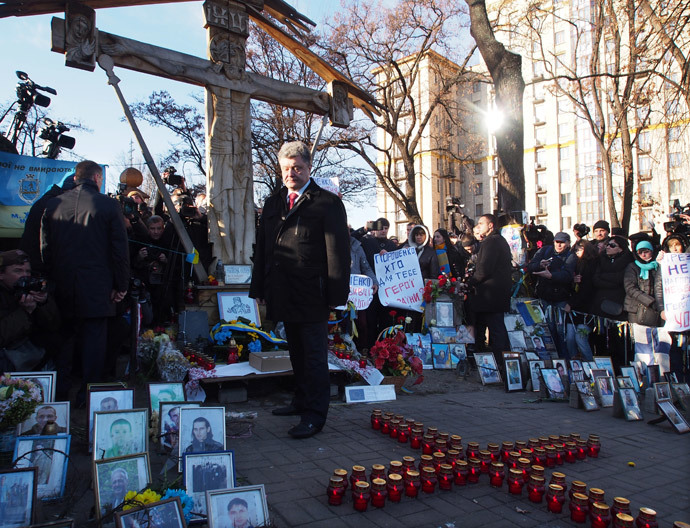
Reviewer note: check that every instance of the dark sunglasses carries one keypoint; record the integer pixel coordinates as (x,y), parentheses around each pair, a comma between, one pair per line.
(612,245)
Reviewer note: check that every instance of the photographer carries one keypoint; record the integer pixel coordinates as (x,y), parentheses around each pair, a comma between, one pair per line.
(28,315)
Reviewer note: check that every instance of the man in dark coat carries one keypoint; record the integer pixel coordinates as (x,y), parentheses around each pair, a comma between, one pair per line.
(84,247)
(301,269)
(492,283)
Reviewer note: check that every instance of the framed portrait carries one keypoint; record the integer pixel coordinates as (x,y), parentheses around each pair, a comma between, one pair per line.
(109,399)
(18,497)
(44,380)
(421,345)
(167,513)
(603,385)
(538,343)
(575,364)
(631,407)
(662,391)
(444,314)
(441,356)
(587,366)
(63,523)
(49,455)
(682,392)
(114,477)
(604,362)
(464,334)
(624,382)
(164,392)
(531,356)
(670,377)
(488,370)
(458,352)
(443,334)
(517,340)
(120,433)
(588,400)
(204,472)
(233,305)
(169,413)
(513,375)
(561,365)
(553,382)
(631,372)
(238,273)
(56,412)
(231,507)
(599,373)
(529,344)
(653,375)
(202,429)
(577,375)
(534,369)
(676,419)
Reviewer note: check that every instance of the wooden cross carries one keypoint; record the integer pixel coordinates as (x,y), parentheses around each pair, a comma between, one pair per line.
(229,90)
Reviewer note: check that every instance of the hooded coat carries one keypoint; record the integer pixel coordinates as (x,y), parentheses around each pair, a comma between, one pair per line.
(426,254)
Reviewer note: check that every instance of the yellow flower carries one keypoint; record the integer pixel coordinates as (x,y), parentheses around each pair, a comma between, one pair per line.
(148,334)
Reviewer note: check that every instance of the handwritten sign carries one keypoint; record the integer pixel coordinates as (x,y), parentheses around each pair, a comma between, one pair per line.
(330,184)
(400,280)
(675,273)
(361,292)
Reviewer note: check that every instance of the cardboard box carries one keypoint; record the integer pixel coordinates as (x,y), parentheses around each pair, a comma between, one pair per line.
(270,361)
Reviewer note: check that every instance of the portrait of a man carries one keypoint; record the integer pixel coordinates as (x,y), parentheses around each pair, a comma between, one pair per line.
(202,437)
(44,414)
(238,514)
(121,442)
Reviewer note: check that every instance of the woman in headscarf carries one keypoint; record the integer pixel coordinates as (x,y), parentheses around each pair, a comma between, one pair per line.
(450,261)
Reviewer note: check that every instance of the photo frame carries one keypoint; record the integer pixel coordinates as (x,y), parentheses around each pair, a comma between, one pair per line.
(603,385)
(421,345)
(588,401)
(534,369)
(531,356)
(164,391)
(207,436)
(517,340)
(587,366)
(662,391)
(561,365)
(458,352)
(445,335)
(166,513)
(671,413)
(57,412)
(553,383)
(624,382)
(513,375)
(577,375)
(670,377)
(488,369)
(653,375)
(630,404)
(441,355)
(444,314)
(599,373)
(63,523)
(575,365)
(120,433)
(49,454)
(107,399)
(18,497)
(233,305)
(169,421)
(631,372)
(45,381)
(682,394)
(204,472)
(114,477)
(251,499)
(604,362)
(238,273)
(464,334)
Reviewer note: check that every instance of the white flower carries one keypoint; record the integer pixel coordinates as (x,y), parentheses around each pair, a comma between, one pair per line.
(432,322)
(408,319)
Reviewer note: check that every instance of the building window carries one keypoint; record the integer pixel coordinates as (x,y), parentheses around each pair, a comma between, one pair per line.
(540,158)
(541,205)
(674,160)
(539,116)
(675,188)
(476,87)
(564,130)
(644,165)
(674,133)
(564,153)
(644,141)
(478,169)
(565,199)
(560,37)
(478,210)
(540,135)
(479,188)
(564,175)
(567,222)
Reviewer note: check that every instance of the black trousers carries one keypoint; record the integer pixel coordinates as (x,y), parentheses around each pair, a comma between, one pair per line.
(498,335)
(308,346)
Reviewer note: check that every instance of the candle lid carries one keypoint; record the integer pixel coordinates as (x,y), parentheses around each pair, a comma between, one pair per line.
(395,477)
(361,485)
(358,468)
(378,483)
(395,463)
(378,467)
(555,487)
(455,437)
(679,524)
(408,459)
(412,473)
(336,481)
(460,463)
(426,458)
(600,506)
(537,479)
(516,472)
(538,468)
(580,497)
(621,501)
(596,491)
(558,475)
(579,484)
(440,455)
(625,517)
(497,465)
(340,472)
(428,470)
(647,511)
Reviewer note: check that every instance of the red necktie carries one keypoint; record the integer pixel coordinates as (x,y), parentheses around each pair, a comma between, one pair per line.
(293,198)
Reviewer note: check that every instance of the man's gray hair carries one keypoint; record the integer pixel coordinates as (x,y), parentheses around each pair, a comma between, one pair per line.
(295,149)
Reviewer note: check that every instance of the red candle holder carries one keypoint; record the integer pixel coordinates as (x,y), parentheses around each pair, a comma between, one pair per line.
(403,435)
(395,467)
(595,495)
(408,464)
(513,458)
(646,519)
(361,496)
(624,520)
(378,493)
(429,480)
(570,452)
(342,473)
(506,448)
(577,486)
(554,440)
(362,363)
(432,431)
(359,474)
(378,471)
(537,470)
(528,454)
(535,489)
(564,438)
(560,455)
(445,477)
(594,446)
(394,428)
(452,456)
(425,461)
(600,515)
(533,442)
(376,419)
(497,474)
(544,441)
(525,467)
(335,491)
(456,443)
(474,470)
(539,456)
(461,472)
(416,438)
(395,488)
(575,436)
(559,478)
(439,458)
(494,451)
(582,448)
(620,505)
(428,443)
(515,482)
(442,435)
(420,426)
(412,483)
(555,498)
(440,445)
(550,456)
(385,425)
(472,450)
(485,460)
(578,508)
(520,445)
(409,422)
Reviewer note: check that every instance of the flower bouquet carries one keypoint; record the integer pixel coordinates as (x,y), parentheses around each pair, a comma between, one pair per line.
(445,285)
(394,357)
(18,400)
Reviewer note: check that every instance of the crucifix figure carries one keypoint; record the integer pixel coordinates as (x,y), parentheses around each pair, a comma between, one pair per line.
(229,90)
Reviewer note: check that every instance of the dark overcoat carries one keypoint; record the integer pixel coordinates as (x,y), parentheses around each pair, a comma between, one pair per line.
(84,247)
(302,256)
(492,276)
(608,282)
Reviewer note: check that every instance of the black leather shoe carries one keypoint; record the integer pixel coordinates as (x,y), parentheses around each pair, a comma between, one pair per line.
(304,430)
(289,410)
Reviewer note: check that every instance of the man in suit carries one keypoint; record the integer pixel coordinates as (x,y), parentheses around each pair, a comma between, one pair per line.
(301,269)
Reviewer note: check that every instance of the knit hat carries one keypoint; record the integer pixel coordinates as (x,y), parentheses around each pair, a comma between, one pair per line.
(13,257)
(621,241)
(602,224)
(644,244)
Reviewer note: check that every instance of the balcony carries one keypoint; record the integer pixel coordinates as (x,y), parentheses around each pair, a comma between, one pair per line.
(645,176)
(541,188)
(539,167)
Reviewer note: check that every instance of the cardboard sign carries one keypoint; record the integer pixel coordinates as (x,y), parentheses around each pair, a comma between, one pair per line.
(675,273)
(361,292)
(330,184)
(360,394)
(400,280)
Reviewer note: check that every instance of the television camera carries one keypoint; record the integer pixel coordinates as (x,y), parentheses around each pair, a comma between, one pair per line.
(677,223)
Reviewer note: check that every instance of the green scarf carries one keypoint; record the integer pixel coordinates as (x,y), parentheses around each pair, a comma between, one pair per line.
(645,267)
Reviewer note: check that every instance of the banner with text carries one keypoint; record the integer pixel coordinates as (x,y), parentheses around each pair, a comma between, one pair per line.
(361,291)
(330,184)
(675,272)
(400,279)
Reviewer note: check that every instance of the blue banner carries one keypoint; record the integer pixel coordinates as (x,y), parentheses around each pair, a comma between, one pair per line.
(23,180)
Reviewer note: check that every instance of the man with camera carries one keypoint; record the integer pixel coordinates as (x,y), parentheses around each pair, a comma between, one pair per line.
(27,314)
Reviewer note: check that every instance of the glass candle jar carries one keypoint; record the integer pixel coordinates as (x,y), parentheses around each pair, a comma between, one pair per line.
(408,464)
(395,487)
(646,519)
(525,467)
(620,505)
(555,498)
(577,486)
(433,431)
(515,481)
(456,442)
(497,474)
(342,473)
(395,467)
(376,418)
(550,456)
(475,470)
(425,461)
(440,445)
(600,515)
(445,477)
(409,422)
(533,442)
(416,438)
(570,452)
(680,524)
(537,470)
(461,472)
(419,425)
(485,459)
(624,520)
(582,449)
(593,446)
(394,429)
(560,455)
(377,471)
(559,478)
(359,473)
(403,434)
(574,436)
(335,491)
(528,454)
(535,488)
(544,441)
(428,444)
(513,458)
(564,438)
(439,458)
(442,435)
(554,440)
(385,425)
(472,450)
(360,496)
(539,456)
(506,448)
(520,445)
(578,508)
(452,457)
(379,492)
(412,483)
(495,452)
(595,495)
(429,480)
